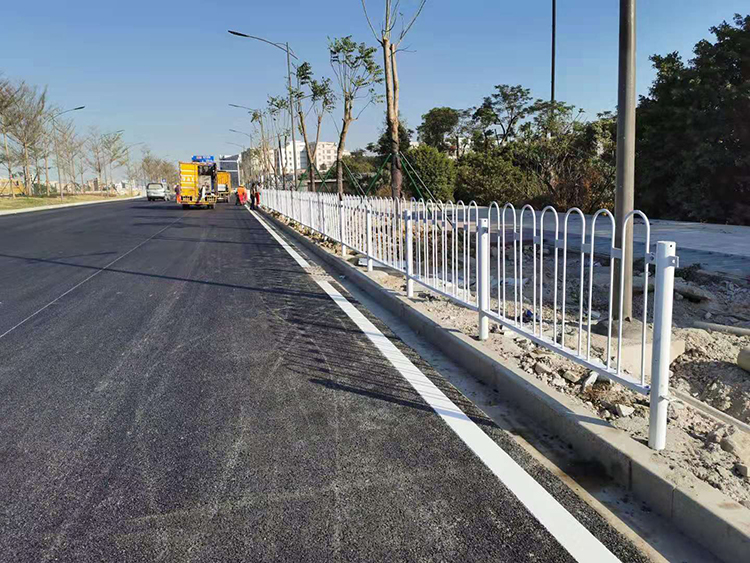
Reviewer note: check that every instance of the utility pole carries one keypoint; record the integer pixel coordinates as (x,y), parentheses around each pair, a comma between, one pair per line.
(281,164)
(57,156)
(291,112)
(554,41)
(624,197)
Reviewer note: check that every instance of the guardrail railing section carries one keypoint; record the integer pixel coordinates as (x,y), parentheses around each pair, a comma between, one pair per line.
(539,273)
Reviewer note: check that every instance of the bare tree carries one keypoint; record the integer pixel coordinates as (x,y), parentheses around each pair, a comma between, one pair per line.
(156,169)
(357,73)
(8,95)
(114,152)
(390,43)
(96,158)
(259,118)
(66,143)
(26,125)
(320,100)
(278,108)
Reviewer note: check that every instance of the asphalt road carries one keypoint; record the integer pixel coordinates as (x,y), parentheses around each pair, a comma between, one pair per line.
(202,399)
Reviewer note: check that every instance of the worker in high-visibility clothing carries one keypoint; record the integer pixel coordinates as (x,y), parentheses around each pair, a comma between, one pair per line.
(241,196)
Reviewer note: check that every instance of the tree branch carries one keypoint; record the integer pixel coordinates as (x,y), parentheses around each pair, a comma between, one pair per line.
(406,30)
(369,23)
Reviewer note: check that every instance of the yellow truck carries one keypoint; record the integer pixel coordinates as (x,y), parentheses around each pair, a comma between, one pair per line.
(223,186)
(198,184)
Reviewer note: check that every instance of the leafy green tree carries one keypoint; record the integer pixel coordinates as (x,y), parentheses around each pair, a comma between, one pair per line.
(571,163)
(382,147)
(319,98)
(502,113)
(434,169)
(438,126)
(357,73)
(693,143)
(359,163)
(490,175)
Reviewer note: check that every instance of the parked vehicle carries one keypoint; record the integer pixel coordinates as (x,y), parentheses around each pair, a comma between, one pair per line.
(156,190)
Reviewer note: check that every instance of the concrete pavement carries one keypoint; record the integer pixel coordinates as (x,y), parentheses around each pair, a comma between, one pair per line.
(175,387)
(717,248)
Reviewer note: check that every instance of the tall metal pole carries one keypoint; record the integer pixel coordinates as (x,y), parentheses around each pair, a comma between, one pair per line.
(291,113)
(281,164)
(57,157)
(554,42)
(624,198)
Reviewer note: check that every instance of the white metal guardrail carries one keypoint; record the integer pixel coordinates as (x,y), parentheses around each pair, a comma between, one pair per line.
(448,248)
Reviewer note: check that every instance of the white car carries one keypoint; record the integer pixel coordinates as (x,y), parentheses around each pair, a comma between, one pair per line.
(156,190)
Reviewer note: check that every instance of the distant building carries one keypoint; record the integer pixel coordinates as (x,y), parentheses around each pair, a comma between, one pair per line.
(325,156)
(231,163)
(285,159)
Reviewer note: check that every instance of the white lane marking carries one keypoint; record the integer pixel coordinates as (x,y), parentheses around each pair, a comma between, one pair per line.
(563,526)
(571,534)
(99,271)
(301,261)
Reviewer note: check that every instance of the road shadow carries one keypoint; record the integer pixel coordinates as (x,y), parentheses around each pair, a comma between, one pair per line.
(174,207)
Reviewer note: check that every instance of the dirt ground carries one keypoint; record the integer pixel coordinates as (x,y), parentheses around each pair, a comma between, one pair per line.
(698,444)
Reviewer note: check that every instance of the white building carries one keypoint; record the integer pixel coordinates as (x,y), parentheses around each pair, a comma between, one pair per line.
(325,156)
(285,159)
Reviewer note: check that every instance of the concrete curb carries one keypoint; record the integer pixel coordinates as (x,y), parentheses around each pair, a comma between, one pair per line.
(66,205)
(697,509)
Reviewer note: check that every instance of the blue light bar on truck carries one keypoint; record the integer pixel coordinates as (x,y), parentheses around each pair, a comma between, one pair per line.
(202,158)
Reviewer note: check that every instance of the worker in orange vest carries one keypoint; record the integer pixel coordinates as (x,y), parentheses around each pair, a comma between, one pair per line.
(241,196)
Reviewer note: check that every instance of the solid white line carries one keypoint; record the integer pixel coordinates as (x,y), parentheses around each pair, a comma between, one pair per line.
(79,284)
(568,531)
(563,526)
(301,261)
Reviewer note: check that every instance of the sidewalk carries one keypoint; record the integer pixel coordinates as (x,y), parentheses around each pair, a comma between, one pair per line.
(717,248)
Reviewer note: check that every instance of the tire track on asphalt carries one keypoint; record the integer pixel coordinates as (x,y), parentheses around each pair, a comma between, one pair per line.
(79,284)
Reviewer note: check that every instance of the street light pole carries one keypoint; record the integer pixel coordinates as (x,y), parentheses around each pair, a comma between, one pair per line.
(284,47)
(624,198)
(554,42)
(291,113)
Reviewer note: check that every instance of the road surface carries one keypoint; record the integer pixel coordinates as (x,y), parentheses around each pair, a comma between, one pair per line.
(175,386)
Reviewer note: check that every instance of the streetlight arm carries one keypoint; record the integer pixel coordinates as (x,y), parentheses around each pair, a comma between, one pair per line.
(52,117)
(241,133)
(277,45)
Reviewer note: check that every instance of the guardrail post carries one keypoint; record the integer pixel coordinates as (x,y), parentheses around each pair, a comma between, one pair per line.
(368,229)
(322,214)
(483,277)
(341,228)
(666,262)
(409,254)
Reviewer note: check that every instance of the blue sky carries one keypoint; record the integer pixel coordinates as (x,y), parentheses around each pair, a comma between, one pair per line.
(166,70)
